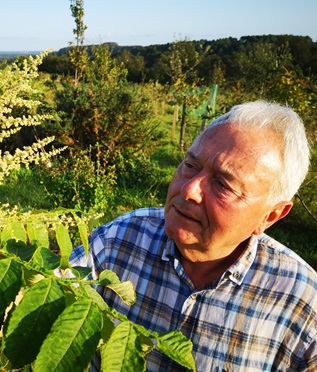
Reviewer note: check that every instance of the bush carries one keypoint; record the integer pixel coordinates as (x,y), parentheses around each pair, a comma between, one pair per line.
(79,182)
(102,107)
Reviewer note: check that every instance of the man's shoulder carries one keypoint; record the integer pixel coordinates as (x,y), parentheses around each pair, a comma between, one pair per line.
(132,222)
(288,272)
(288,258)
(151,212)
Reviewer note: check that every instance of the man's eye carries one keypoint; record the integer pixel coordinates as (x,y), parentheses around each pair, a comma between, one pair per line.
(188,165)
(189,169)
(222,187)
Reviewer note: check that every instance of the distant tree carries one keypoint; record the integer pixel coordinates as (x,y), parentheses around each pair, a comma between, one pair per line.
(259,63)
(134,64)
(77,9)
(211,70)
(57,65)
(76,54)
(184,59)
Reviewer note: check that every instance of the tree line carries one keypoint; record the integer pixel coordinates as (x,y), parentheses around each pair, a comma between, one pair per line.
(225,59)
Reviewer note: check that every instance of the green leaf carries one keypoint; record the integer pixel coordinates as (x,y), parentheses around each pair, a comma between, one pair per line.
(45,258)
(93,223)
(83,233)
(108,277)
(20,249)
(13,230)
(125,290)
(10,282)
(122,352)
(146,344)
(92,294)
(108,328)
(31,321)
(65,244)
(31,277)
(179,348)
(73,339)
(80,272)
(38,234)
(108,325)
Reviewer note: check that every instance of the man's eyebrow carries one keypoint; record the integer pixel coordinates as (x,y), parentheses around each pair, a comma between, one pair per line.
(226,174)
(192,155)
(229,176)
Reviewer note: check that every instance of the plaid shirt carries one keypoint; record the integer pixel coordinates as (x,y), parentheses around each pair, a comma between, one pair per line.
(259,316)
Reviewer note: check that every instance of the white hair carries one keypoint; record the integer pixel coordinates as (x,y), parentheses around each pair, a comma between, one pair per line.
(294,149)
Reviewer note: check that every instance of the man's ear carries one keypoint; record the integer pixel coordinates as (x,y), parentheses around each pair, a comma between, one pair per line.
(278,212)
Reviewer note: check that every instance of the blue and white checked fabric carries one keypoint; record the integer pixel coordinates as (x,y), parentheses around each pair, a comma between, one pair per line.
(259,316)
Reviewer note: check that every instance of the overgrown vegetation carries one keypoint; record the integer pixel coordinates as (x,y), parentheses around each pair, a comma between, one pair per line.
(61,320)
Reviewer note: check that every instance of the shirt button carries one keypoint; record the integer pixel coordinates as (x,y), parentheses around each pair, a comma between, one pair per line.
(193,296)
(236,275)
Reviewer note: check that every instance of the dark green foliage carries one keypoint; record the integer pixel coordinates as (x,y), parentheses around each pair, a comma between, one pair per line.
(103,108)
(38,310)
(57,65)
(10,282)
(61,321)
(155,57)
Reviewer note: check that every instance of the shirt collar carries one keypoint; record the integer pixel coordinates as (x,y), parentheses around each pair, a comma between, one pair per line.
(237,271)
(169,250)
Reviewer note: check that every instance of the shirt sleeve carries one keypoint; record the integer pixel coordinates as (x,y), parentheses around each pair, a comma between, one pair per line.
(309,362)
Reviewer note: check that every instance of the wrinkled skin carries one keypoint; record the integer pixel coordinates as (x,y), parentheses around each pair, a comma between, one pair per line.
(218,198)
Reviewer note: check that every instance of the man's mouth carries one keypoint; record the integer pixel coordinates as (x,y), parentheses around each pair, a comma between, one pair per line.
(186,214)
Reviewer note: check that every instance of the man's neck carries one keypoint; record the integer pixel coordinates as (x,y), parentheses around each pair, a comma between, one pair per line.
(203,273)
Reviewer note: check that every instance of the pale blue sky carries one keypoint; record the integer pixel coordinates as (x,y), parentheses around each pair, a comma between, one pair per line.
(35,25)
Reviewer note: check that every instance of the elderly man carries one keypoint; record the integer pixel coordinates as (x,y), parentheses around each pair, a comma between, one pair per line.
(204,265)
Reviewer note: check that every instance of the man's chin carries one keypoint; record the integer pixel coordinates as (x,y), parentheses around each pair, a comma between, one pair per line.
(180,235)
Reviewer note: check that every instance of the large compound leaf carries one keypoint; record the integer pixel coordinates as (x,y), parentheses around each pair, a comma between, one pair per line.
(45,258)
(64,243)
(176,346)
(38,234)
(31,321)
(10,282)
(73,339)
(20,249)
(83,233)
(13,230)
(92,294)
(122,352)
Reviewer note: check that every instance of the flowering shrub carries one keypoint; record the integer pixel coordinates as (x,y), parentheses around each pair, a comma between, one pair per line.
(18,109)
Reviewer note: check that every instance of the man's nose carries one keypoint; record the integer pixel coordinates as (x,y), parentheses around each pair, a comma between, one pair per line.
(193,188)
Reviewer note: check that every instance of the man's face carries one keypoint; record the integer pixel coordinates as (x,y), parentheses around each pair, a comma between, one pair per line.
(217,197)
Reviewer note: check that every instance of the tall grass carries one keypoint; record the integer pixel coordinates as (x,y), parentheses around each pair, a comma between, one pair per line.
(24,189)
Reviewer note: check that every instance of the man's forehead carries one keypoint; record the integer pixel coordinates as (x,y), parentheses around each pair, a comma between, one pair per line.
(234,145)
